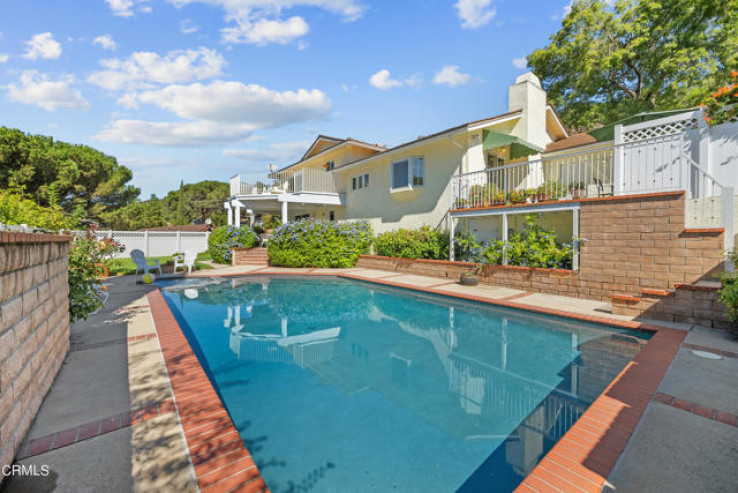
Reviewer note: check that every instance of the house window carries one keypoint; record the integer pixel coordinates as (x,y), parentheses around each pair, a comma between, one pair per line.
(332,215)
(330,165)
(366,180)
(361,182)
(408,173)
(353,183)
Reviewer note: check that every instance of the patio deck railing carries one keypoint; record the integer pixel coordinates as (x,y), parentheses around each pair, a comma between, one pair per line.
(646,166)
(305,180)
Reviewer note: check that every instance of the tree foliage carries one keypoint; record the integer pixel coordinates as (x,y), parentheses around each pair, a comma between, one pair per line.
(17,208)
(83,181)
(606,63)
(196,201)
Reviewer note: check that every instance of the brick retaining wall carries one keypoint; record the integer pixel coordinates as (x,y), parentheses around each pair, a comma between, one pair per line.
(34,329)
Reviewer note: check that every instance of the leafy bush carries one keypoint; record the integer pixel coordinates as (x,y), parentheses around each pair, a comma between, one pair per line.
(85,256)
(722,105)
(225,238)
(422,243)
(728,294)
(17,208)
(467,247)
(319,243)
(535,247)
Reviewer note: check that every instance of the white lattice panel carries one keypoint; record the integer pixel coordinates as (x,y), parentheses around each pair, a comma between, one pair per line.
(659,130)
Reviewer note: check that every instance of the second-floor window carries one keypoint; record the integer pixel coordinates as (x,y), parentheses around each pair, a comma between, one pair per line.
(408,173)
(361,181)
(330,165)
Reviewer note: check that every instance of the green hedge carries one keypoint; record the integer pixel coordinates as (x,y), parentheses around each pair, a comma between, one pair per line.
(319,243)
(423,243)
(225,238)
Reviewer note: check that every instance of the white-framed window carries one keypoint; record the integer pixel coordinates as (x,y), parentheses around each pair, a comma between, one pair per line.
(408,173)
(330,165)
(361,181)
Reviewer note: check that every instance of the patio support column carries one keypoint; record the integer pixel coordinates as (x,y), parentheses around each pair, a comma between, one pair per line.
(504,238)
(619,174)
(575,239)
(451,249)
(229,212)
(285,212)
(237,214)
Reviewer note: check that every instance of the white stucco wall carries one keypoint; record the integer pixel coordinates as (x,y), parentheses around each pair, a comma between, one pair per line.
(427,205)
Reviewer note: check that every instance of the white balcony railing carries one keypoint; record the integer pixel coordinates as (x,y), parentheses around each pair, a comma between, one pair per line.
(646,166)
(306,180)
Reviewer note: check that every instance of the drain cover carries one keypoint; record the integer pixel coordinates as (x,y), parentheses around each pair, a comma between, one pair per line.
(706,355)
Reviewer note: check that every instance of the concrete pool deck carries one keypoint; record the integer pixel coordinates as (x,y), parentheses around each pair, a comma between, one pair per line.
(684,440)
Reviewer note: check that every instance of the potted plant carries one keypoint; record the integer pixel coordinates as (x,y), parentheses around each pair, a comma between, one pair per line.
(577,190)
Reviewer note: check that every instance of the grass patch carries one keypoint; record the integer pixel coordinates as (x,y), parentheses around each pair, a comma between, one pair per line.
(124,266)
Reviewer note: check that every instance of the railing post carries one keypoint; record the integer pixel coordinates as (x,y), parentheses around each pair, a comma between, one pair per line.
(575,240)
(451,249)
(146,243)
(619,173)
(728,234)
(504,238)
(685,167)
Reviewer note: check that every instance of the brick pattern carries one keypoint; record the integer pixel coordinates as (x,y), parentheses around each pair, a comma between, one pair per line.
(250,256)
(686,304)
(34,329)
(694,408)
(93,429)
(583,459)
(221,461)
(641,242)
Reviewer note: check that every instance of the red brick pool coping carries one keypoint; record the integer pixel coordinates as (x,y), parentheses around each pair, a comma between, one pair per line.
(580,462)
(221,461)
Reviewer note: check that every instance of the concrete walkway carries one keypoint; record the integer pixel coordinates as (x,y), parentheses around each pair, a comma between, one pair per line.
(685,441)
(96,430)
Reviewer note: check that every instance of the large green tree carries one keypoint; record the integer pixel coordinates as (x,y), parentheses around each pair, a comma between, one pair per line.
(191,202)
(606,63)
(82,180)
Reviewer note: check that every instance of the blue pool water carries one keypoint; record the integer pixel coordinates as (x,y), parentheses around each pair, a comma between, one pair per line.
(337,385)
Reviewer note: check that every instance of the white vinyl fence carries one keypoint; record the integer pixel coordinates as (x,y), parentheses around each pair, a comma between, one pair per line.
(157,243)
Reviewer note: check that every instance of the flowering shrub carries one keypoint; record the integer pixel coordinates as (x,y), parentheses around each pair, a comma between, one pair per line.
(85,256)
(722,105)
(319,243)
(224,239)
(423,243)
(535,247)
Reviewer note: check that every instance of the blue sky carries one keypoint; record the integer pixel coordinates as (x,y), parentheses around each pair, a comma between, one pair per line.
(204,89)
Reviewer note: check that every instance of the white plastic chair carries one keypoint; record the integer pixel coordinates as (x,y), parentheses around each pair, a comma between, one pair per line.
(144,265)
(188,261)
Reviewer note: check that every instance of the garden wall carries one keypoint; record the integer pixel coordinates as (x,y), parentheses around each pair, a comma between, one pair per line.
(34,328)
(636,255)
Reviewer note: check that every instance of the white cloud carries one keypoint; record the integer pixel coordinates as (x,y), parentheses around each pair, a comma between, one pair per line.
(215,113)
(4,57)
(125,8)
(260,21)
(106,42)
(276,152)
(188,26)
(263,31)
(142,69)
(475,13)
(173,134)
(235,102)
(383,80)
(38,89)
(450,76)
(42,45)
(520,63)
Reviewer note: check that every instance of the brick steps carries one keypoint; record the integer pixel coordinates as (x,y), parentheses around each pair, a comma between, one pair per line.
(252,256)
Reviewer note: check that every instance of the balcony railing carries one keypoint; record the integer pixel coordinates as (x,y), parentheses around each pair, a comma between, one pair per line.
(306,180)
(646,166)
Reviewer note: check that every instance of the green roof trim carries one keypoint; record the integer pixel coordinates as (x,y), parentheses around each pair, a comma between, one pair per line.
(607,133)
(518,147)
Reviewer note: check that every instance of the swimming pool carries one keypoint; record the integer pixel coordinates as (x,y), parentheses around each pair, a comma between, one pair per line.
(339,385)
